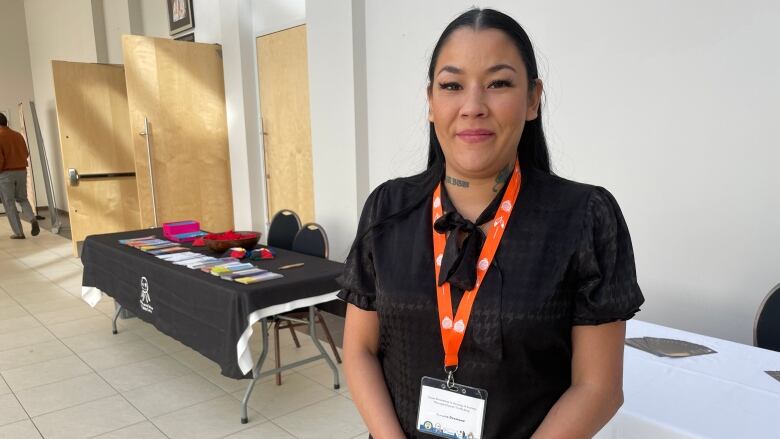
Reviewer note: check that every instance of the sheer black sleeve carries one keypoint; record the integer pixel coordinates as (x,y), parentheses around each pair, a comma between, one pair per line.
(603,265)
(358,281)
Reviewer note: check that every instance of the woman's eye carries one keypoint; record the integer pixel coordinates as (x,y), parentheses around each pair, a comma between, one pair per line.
(501,83)
(451,86)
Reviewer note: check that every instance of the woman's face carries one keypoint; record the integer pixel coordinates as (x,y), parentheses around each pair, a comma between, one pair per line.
(479,101)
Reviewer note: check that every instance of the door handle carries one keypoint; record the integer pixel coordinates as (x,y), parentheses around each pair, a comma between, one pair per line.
(148,138)
(74,177)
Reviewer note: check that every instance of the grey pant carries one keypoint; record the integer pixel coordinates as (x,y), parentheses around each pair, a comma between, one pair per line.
(13,189)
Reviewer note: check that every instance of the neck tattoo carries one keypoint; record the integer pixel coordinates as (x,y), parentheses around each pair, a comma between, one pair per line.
(502,177)
(455,182)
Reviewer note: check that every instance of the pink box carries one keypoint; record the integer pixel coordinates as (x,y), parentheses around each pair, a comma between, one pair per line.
(189,229)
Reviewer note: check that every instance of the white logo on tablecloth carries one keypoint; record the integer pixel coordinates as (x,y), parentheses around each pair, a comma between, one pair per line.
(145,298)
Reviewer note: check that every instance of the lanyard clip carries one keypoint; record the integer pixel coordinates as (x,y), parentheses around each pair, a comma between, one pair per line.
(450,376)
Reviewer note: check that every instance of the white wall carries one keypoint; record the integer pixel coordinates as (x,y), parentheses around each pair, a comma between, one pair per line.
(16,79)
(672,112)
(274,15)
(208,24)
(56,30)
(117,22)
(334,133)
(154,17)
(243,115)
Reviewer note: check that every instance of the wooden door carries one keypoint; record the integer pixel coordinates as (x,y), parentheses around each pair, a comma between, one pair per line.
(178,87)
(91,102)
(284,105)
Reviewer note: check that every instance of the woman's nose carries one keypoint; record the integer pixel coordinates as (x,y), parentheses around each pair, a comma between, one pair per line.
(474,103)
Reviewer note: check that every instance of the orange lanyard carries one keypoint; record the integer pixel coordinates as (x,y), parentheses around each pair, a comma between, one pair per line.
(453,329)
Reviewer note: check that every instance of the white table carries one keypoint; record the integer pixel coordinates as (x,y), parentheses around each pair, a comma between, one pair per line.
(722,395)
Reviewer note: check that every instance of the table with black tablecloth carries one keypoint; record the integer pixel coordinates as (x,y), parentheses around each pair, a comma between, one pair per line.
(208,314)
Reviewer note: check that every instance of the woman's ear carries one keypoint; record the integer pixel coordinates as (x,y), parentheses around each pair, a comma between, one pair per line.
(534,100)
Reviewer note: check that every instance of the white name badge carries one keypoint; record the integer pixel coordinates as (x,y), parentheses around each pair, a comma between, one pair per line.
(456,413)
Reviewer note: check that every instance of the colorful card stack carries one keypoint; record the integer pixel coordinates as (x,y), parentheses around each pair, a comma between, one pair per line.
(219,270)
(178,257)
(153,245)
(245,273)
(259,278)
(133,240)
(226,268)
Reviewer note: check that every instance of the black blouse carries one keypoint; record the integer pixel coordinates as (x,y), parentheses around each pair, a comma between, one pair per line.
(565,259)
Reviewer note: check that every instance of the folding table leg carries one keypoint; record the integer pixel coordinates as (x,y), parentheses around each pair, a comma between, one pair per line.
(116,316)
(313,334)
(255,371)
(328,336)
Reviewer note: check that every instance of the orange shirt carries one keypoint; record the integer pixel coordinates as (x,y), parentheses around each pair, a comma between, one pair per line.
(13,150)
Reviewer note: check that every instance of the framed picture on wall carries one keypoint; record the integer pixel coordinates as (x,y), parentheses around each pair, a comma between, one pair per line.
(180,16)
(186,37)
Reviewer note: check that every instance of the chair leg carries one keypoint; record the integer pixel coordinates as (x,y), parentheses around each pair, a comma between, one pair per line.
(277,353)
(328,336)
(294,336)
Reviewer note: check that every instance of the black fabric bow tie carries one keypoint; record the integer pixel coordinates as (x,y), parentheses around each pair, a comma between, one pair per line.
(459,263)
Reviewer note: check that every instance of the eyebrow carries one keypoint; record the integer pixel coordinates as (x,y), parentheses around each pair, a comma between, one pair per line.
(498,67)
(494,69)
(451,69)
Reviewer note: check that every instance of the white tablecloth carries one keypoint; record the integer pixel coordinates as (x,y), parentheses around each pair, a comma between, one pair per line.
(722,395)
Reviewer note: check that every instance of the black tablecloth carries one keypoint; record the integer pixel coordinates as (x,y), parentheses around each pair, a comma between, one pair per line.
(202,311)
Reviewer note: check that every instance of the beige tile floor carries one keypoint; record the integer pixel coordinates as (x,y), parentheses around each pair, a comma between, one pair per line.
(64,375)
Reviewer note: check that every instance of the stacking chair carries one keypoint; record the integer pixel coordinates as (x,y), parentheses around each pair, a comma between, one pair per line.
(284,226)
(311,240)
(766,329)
(281,234)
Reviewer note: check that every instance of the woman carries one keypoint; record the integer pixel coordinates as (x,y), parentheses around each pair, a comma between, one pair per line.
(544,265)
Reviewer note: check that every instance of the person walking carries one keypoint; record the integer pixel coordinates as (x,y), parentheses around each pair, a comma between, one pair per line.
(13,179)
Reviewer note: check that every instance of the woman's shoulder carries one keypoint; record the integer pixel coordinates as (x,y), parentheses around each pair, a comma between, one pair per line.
(556,192)
(395,194)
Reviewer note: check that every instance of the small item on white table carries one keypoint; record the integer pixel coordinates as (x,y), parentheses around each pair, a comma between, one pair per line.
(667,347)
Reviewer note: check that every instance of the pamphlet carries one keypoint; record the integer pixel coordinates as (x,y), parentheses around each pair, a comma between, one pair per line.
(259,278)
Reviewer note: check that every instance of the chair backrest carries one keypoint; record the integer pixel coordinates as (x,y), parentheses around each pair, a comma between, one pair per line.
(284,226)
(311,240)
(766,330)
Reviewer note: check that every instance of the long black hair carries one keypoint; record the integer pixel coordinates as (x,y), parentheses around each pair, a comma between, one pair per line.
(532,147)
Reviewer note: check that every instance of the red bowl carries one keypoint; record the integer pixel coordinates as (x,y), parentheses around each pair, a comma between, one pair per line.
(222,245)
